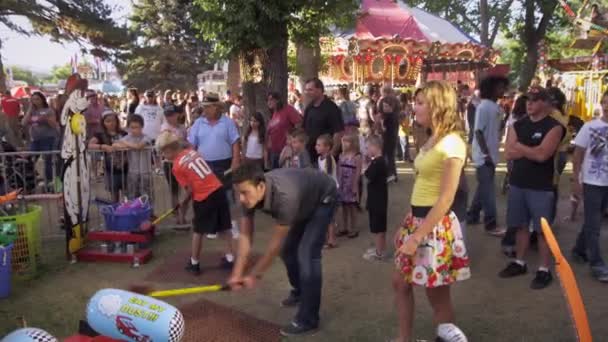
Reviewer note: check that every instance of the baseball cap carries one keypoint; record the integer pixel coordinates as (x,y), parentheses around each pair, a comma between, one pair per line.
(538,93)
(165,139)
(149,93)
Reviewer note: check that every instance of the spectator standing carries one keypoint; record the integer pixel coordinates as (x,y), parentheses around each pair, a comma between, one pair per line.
(11,107)
(532,148)
(152,114)
(254,143)
(366,110)
(389,108)
(297,156)
(216,137)
(178,130)
(44,130)
(430,249)
(139,159)
(377,198)
(405,124)
(471,109)
(236,112)
(132,101)
(485,156)
(591,162)
(284,119)
(347,107)
(115,163)
(321,116)
(93,114)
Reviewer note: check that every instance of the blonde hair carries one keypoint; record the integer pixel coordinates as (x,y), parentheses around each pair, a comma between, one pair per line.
(353,139)
(442,101)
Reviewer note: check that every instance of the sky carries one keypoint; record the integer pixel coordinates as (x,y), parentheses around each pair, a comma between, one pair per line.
(38,53)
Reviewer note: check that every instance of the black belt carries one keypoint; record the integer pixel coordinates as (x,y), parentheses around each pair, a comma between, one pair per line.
(420,211)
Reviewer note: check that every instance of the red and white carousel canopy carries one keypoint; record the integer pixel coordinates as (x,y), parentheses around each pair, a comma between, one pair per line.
(397,41)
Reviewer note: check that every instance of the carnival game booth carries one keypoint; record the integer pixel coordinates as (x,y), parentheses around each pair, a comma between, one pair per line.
(584,80)
(395,44)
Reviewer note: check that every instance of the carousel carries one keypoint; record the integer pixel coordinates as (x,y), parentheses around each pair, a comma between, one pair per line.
(399,45)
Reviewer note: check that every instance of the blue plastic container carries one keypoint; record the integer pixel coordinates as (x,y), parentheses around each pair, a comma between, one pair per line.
(125,221)
(5,270)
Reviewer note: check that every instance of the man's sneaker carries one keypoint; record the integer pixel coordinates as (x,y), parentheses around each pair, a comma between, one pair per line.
(497,231)
(542,280)
(194,269)
(513,270)
(226,264)
(291,301)
(600,273)
(373,256)
(579,258)
(211,236)
(297,329)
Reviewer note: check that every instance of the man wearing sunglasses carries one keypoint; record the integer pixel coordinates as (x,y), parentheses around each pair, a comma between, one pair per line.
(532,147)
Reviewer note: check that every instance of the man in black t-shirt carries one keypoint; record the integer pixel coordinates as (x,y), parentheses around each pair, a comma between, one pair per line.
(321,116)
(302,203)
(532,148)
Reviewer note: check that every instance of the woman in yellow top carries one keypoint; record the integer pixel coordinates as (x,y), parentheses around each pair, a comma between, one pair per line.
(430,247)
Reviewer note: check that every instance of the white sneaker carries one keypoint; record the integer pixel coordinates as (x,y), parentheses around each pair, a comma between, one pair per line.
(391,178)
(373,256)
(211,236)
(448,332)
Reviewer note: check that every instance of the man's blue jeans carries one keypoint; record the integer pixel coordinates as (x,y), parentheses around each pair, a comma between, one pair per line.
(595,199)
(485,196)
(302,257)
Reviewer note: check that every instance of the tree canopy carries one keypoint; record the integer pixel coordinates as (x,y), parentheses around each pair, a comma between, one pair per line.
(167,53)
(81,21)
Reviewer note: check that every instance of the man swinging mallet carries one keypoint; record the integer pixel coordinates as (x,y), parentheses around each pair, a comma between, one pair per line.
(302,203)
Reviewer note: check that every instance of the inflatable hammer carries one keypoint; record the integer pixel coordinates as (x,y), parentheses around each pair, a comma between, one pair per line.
(29,335)
(129,316)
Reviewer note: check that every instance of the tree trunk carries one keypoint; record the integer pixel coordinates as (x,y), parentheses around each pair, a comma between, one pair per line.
(234,75)
(532,35)
(2,74)
(275,72)
(308,61)
(528,69)
(484,18)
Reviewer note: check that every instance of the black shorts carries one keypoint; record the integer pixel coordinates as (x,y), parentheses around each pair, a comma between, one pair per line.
(377,220)
(212,215)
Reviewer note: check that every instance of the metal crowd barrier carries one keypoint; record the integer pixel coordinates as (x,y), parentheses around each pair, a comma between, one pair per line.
(39,174)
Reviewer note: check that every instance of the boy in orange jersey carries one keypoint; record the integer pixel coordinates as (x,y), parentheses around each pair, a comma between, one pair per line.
(210,204)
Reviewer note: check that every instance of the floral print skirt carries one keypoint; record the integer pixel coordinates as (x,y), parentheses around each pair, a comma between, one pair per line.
(441,257)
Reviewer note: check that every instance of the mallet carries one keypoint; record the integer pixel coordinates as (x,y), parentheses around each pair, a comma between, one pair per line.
(149,291)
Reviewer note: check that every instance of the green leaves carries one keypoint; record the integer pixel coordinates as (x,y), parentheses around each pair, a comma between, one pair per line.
(168,52)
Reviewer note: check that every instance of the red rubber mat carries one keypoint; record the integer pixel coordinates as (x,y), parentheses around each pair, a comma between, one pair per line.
(172,269)
(210,322)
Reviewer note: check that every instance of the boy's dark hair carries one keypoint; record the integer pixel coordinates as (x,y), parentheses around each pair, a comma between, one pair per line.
(326,139)
(248,172)
(300,135)
(488,85)
(135,118)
